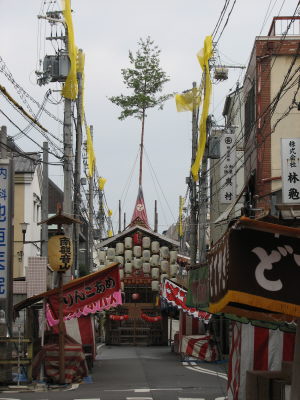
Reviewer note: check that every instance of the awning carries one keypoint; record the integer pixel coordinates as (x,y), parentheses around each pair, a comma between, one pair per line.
(82,296)
(254,271)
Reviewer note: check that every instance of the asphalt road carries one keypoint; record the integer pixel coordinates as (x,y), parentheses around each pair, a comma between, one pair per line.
(141,373)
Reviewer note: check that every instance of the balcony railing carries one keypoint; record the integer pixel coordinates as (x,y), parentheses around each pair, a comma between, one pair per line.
(287,26)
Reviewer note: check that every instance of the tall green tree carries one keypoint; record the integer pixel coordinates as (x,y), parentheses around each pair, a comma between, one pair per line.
(145,79)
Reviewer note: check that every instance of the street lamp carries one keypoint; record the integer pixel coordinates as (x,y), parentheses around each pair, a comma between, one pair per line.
(24,230)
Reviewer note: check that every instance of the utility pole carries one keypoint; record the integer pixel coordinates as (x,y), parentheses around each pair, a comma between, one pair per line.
(101,214)
(45,201)
(193,184)
(180,233)
(3,141)
(203,208)
(91,215)
(68,172)
(77,173)
(68,156)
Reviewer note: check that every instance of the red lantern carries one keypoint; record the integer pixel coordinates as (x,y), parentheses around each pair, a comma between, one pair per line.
(135,296)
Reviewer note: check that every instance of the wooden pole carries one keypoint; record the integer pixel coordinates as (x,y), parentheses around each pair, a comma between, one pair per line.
(155,217)
(142,149)
(61,331)
(120,216)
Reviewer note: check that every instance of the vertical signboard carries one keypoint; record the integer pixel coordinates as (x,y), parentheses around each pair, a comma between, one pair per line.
(290,170)
(6,232)
(5,222)
(227,167)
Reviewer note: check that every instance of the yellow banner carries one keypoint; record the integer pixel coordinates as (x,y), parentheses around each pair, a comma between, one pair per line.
(70,89)
(90,152)
(203,57)
(101,183)
(188,101)
(80,63)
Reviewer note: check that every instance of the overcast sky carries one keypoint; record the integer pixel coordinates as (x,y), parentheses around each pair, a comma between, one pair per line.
(106,30)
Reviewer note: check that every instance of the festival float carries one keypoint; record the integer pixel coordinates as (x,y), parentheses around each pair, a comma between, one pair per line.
(145,259)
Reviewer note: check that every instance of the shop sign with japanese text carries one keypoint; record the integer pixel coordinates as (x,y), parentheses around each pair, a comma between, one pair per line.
(97,292)
(227,167)
(290,170)
(255,268)
(5,221)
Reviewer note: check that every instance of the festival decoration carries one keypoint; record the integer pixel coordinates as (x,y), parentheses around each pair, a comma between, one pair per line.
(118,317)
(176,296)
(149,318)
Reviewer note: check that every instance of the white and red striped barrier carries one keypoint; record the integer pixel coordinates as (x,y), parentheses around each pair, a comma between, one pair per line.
(255,348)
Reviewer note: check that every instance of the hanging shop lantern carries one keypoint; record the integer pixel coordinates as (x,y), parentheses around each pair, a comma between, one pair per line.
(60,253)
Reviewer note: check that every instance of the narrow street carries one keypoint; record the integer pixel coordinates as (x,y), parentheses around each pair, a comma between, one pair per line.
(142,373)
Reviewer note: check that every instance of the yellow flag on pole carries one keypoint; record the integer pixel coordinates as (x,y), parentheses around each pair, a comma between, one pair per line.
(188,101)
(203,57)
(70,89)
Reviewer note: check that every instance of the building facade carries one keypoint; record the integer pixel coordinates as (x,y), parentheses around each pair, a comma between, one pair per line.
(271,97)
(27,208)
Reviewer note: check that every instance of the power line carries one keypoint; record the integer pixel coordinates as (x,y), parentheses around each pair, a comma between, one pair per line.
(263,84)
(26,155)
(30,138)
(226,22)
(29,118)
(284,115)
(22,92)
(221,16)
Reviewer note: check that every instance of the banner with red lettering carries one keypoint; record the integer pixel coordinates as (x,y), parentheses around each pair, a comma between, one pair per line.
(95,292)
